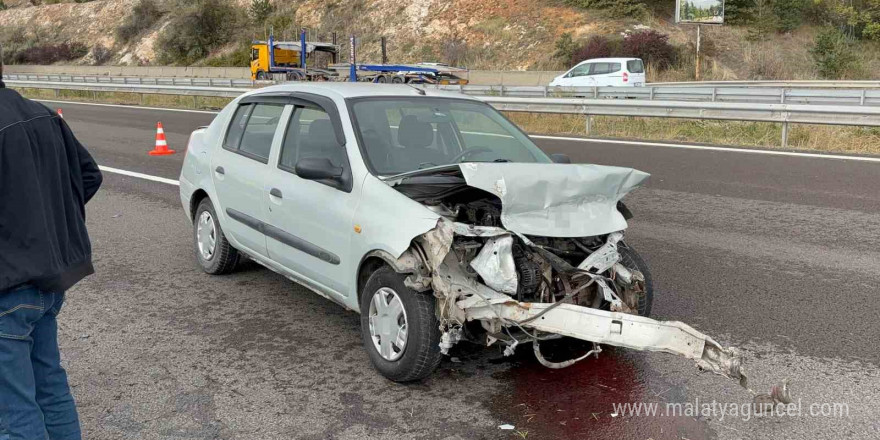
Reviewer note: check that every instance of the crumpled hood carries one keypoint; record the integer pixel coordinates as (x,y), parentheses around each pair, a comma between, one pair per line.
(556,200)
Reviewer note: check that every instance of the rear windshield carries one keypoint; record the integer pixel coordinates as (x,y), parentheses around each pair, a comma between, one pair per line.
(635,66)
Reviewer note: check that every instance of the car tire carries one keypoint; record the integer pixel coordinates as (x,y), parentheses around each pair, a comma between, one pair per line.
(261,76)
(630,258)
(420,353)
(221,258)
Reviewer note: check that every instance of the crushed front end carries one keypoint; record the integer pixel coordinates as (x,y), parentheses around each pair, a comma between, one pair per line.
(521,255)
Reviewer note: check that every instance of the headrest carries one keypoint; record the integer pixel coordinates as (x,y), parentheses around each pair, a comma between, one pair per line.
(413,133)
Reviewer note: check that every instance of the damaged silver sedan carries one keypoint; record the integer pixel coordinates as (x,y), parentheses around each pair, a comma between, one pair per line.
(434,217)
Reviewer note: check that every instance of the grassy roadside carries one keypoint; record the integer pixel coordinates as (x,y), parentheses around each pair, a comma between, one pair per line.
(822,138)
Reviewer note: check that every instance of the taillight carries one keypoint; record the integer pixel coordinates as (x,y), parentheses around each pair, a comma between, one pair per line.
(625,77)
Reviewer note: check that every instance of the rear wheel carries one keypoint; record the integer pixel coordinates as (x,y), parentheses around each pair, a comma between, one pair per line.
(262,76)
(397,80)
(399,328)
(631,259)
(381,79)
(213,251)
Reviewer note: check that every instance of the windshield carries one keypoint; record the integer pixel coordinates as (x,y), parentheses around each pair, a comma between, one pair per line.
(399,135)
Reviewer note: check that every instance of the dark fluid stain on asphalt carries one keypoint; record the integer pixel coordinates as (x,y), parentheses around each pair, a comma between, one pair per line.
(577,402)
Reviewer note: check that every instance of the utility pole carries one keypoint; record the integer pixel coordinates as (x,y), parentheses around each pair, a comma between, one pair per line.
(697,64)
(384,50)
(352,59)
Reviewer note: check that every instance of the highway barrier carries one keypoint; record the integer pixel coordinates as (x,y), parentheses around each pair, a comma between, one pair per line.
(845,107)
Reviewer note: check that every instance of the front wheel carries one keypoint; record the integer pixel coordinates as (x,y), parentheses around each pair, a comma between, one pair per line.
(631,259)
(399,328)
(213,251)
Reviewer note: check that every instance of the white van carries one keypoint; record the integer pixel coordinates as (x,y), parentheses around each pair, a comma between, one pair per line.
(603,72)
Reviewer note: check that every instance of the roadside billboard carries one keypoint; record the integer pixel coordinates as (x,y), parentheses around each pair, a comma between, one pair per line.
(699,11)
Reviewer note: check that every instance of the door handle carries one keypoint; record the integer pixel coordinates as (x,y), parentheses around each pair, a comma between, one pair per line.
(219,170)
(275,192)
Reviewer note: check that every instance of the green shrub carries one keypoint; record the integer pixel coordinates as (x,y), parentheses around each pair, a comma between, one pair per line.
(144,15)
(50,53)
(240,57)
(789,14)
(206,26)
(617,8)
(832,54)
(565,47)
(2,5)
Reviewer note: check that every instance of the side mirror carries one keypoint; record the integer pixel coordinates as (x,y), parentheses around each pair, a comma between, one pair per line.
(560,158)
(317,168)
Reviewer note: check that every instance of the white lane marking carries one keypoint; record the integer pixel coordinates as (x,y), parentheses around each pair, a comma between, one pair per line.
(708,148)
(140,175)
(562,138)
(95,104)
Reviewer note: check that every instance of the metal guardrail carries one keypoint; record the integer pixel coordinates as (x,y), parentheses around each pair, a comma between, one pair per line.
(729,91)
(204,82)
(785,113)
(824,84)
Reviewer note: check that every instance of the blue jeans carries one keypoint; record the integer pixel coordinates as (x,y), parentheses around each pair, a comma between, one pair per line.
(35,400)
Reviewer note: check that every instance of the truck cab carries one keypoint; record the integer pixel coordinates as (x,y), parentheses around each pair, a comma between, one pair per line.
(284,58)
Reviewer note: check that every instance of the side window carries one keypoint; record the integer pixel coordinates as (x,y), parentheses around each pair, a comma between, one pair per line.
(635,66)
(600,68)
(310,134)
(236,127)
(582,70)
(255,54)
(614,67)
(257,138)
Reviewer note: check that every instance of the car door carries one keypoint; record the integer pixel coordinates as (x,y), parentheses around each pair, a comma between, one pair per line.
(599,74)
(239,169)
(310,223)
(580,76)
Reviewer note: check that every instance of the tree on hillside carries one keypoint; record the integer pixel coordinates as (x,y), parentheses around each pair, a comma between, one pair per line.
(205,26)
(260,10)
(832,53)
(565,47)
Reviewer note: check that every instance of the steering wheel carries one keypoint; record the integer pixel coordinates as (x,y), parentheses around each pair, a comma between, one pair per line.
(458,157)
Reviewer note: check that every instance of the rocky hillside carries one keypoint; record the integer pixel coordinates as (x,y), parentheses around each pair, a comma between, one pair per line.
(509,34)
(771,39)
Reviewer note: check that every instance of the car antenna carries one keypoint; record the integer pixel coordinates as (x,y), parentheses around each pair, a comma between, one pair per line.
(418,90)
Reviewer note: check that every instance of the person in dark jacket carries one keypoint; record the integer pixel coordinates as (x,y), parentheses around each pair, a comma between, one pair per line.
(46,178)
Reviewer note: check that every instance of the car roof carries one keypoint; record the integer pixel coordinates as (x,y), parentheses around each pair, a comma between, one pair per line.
(347,90)
(606,60)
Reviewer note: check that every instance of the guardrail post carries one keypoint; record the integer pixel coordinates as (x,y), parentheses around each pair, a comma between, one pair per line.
(652,94)
(714,93)
(502,90)
(782,97)
(785,133)
(195,101)
(589,125)
(546,90)
(862,101)
(595,92)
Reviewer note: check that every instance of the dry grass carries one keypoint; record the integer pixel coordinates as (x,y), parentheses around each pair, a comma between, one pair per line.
(150,100)
(822,138)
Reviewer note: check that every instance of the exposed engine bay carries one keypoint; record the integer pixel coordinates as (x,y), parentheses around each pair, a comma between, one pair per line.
(498,282)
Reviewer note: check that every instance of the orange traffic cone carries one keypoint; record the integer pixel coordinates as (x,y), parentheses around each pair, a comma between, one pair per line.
(161,144)
(61,113)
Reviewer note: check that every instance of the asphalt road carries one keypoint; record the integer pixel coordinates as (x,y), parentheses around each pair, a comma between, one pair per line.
(775,255)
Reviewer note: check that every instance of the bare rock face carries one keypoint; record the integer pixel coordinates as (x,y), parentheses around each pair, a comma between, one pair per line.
(510,34)
(91,23)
